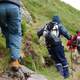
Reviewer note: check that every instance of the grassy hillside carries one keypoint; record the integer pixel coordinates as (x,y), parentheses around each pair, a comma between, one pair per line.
(41,12)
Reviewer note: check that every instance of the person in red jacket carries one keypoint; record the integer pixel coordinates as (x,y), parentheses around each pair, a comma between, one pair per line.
(74,44)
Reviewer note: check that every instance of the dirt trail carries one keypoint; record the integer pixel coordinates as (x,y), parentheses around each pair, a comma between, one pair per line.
(76,72)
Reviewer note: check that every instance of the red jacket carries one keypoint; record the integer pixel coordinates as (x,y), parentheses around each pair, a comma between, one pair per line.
(72,44)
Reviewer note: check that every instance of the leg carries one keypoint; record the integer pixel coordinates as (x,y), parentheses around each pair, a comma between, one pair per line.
(61,56)
(54,57)
(3,24)
(5,33)
(14,29)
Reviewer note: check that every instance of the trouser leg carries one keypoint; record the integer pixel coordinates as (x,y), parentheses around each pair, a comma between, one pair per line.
(61,56)
(14,29)
(54,57)
(60,60)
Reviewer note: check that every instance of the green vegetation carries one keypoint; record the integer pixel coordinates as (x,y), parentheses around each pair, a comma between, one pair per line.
(41,12)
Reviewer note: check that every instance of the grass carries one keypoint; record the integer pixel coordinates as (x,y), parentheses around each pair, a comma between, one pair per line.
(4,54)
(51,73)
(42,12)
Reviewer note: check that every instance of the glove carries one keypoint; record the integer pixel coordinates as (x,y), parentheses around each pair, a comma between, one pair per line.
(70,45)
(69,42)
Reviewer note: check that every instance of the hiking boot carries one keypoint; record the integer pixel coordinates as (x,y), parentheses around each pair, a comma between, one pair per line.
(15,65)
(65,72)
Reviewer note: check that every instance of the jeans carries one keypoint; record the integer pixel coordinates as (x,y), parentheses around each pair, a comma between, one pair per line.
(10,23)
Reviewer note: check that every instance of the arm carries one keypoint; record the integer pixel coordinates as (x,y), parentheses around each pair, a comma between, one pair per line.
(43,31)
(40,32)
(64,32)
(72,43)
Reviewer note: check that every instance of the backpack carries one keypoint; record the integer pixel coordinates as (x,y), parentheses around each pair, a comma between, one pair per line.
(52,28)
(51,33)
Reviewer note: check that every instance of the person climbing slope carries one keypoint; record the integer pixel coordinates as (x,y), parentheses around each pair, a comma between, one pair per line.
(74,46)
(10,23)
(52,32)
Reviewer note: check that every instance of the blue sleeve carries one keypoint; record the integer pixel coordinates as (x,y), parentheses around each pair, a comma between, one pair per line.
(64,32)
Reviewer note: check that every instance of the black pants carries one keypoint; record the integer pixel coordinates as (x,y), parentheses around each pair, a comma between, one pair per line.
(57,54)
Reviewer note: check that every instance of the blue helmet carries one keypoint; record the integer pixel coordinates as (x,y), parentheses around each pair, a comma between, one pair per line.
(56,19)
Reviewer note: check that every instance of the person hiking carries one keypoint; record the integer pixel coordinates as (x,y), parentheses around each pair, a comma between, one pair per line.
(74,45)
(10,23)
(52,31)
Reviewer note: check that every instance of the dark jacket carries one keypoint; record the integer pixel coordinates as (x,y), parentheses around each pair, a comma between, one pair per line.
(17,2)
(49,39)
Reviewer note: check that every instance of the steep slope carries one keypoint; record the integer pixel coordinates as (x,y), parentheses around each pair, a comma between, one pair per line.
(41,12)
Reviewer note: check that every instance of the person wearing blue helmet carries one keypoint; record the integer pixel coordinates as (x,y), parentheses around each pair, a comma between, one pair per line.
(56,19)
(52,32)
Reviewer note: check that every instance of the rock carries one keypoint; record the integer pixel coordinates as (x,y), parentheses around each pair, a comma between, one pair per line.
(20,75)
(5,77)
(37,77)
(25,13)
(26,70)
